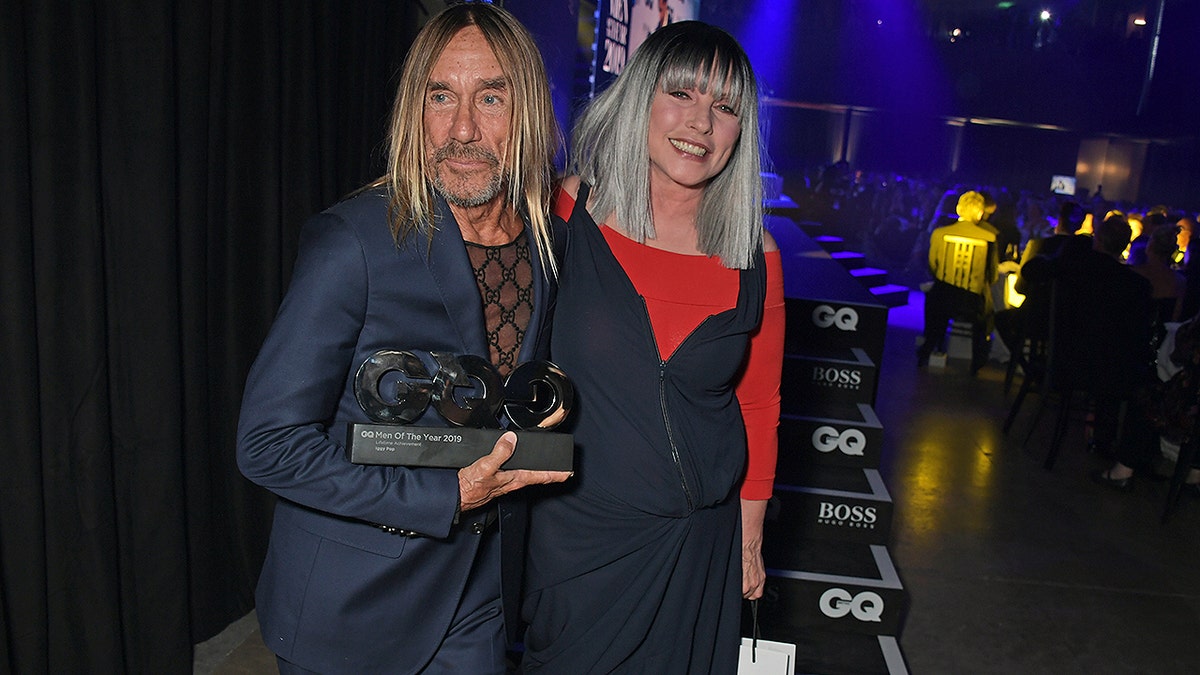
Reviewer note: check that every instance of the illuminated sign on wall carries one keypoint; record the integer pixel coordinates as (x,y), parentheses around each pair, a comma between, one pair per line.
(622,25)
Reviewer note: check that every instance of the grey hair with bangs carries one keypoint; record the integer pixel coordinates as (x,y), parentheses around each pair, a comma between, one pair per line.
(611,147)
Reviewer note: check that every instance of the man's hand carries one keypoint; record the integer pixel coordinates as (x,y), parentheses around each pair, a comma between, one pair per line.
(483,481)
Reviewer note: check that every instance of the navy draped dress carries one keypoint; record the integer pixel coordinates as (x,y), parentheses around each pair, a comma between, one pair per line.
(634,566)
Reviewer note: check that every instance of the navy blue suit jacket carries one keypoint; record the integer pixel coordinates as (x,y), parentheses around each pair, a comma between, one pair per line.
(337,593)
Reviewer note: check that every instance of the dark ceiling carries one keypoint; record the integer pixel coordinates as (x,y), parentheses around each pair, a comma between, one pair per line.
(1086,67)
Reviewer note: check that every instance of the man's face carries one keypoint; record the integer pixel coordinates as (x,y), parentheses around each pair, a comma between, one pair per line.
(468,111)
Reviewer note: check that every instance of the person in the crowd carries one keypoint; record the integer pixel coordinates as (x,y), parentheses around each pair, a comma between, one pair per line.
(1175,402)
(961,295)
(1155,219)
(1003,217)
(1032,318)
(392,569)
(942,215)
(1190,245)
(1032,220)
(1167,285)
(1008,251)
(893,240)
(1103,319)
(1064,238)
(1186,225)
(670,319)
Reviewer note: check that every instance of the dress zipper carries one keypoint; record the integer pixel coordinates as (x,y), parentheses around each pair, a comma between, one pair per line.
(662,402)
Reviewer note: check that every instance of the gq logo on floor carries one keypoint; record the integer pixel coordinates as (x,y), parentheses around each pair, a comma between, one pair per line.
(825,316)
(851,441)
(837,603)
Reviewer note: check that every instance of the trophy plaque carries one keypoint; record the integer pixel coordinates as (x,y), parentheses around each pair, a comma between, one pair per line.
(395,388)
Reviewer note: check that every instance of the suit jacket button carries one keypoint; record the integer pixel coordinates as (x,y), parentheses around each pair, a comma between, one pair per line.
(477,528)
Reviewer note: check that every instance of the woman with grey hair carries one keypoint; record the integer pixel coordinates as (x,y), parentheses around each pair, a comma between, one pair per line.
(670,319)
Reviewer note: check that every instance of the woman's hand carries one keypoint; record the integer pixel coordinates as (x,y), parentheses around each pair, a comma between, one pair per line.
(754,574)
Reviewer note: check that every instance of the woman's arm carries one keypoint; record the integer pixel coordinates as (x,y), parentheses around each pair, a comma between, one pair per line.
(758,395)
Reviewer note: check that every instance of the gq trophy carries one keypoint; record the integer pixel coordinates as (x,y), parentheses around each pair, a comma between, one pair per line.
(395,387)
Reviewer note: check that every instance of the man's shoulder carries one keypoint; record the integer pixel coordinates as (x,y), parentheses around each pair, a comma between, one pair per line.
(966,228)
(986,233)
(1110,273)
(359,221)
(364,212)
(369,201)
(1135,280)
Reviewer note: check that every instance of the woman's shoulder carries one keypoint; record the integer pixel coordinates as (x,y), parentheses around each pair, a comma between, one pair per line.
(566,195)
(563,202)
(769,244)
(570,185)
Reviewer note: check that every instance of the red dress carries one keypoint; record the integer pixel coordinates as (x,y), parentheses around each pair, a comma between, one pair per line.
(680,291)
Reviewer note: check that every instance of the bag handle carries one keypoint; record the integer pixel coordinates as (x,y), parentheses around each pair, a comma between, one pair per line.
(755,634)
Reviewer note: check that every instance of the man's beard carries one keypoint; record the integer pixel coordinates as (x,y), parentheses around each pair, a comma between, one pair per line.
(466,195)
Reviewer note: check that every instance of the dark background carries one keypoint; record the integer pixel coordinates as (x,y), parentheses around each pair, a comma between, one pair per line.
(1084,68)
(157,160)
(1029,92)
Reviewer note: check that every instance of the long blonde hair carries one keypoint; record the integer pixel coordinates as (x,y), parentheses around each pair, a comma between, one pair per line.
(533,135)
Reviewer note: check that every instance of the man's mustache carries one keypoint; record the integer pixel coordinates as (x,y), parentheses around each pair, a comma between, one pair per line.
(456,150)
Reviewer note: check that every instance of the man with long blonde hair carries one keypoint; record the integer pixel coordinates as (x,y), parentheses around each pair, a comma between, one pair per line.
(422,160)
(391,568)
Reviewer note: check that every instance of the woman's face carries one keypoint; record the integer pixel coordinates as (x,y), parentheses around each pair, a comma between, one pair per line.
(692,136)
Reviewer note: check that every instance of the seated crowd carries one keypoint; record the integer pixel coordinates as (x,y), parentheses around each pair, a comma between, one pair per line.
(1119,282)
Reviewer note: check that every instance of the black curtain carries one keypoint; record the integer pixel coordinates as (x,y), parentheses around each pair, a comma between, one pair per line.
(156,162)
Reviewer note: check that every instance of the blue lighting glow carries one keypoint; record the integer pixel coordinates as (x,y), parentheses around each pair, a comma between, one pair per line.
(770,26)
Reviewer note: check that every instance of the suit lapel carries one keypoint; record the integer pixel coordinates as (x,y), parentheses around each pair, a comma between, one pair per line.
(451,270)
(542,301)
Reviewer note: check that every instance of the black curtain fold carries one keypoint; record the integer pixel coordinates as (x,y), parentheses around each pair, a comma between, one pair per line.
(22,523)
(157,161)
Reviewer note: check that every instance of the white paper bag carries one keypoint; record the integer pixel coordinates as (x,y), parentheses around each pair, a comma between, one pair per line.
(764,657)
